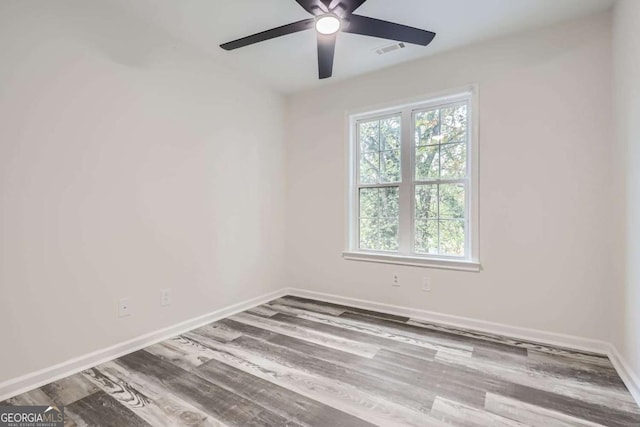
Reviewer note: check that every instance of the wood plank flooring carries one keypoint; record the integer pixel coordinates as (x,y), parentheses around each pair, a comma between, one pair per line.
(299,362)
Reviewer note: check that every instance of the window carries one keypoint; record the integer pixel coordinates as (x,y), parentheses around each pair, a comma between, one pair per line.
(413,196)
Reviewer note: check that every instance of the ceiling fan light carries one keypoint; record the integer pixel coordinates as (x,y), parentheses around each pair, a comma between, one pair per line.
(328,24)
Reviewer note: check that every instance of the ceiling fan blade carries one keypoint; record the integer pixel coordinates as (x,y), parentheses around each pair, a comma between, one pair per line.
(349,5)
(294,27)
(326,52)
(387,30)
(314,7)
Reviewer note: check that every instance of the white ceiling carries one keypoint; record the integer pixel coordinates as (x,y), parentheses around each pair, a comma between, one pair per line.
(289,63)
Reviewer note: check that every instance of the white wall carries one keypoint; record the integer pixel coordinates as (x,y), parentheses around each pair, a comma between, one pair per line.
(626,165)
(128,164)
(545,214)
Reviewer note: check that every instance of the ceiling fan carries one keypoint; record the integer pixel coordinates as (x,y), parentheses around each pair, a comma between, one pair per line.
(331,17)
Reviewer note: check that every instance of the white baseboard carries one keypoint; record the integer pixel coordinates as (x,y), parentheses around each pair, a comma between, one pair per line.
(629,378)
(525,334)
(39,378)
(531,335)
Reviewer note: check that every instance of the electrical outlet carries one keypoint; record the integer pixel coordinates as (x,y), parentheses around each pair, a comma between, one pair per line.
(396,280)
(426,284)
(165,297)
(124,307)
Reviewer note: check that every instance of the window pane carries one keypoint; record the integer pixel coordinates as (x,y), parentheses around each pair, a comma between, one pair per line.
(390,166)
(379,218)
(369,202)
(369,136)
(453,126)
(452,201)
(452,237)
(427,162)
(440,219)
(426,201)
(453,160)
(388,233)
(368,233)
(427,127)
(390,133)
(370,168)
(441,143)
(390,202)
(426,237)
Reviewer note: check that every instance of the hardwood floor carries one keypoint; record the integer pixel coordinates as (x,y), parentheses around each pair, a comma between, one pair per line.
(298,362)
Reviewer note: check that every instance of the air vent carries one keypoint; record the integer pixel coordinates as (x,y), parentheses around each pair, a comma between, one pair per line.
(390,48)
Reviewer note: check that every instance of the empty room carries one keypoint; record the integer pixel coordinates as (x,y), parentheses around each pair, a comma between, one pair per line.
(320,213)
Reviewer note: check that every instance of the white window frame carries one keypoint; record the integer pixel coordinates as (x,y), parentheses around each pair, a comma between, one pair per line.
(405,254)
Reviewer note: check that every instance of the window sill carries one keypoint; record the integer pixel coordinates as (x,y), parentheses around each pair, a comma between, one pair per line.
(446,264)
